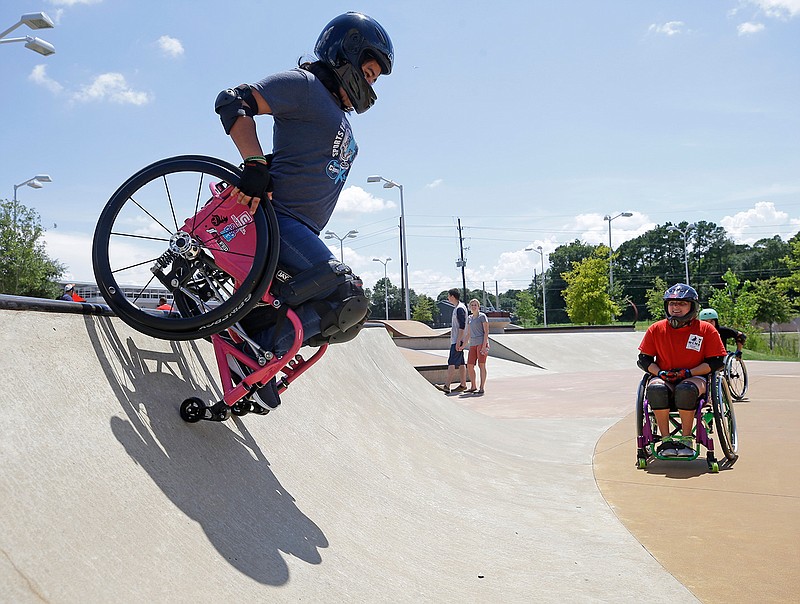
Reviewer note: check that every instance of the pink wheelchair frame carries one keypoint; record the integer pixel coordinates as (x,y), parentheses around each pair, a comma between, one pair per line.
(291,365)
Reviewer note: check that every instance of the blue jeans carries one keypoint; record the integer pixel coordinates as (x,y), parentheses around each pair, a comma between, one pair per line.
(301,248)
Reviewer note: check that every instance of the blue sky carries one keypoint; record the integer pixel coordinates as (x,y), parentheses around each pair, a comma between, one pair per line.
(529,121)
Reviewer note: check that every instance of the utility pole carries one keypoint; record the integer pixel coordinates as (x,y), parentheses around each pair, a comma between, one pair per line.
(462,263)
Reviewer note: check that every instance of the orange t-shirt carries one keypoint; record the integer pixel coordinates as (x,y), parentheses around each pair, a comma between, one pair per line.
(682,348)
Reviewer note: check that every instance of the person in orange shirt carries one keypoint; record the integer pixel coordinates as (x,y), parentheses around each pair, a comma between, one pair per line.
(70,295)
(163,304)
(679,352)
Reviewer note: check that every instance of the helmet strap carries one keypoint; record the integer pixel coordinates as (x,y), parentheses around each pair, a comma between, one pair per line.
(325,74)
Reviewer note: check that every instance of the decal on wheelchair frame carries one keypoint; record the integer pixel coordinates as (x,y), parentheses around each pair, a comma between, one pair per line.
(231,230)
(695,342)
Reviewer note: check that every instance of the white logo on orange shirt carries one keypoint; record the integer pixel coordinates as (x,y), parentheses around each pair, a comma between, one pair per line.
(695,342)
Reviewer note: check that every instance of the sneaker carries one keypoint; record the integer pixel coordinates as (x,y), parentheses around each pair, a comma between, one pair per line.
(266,397)
(459,388)
(685,448)
(443,387)
(668,448)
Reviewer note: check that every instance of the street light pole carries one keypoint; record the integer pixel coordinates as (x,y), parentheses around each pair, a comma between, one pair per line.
(538,250)
(332,235)
(34,21)
(385,284)
(685,233)
(388,184)
(34,183)
(610,259)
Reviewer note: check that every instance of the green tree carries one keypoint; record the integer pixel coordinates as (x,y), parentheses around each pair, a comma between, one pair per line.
(772,305)
(423,310)
(586,294)
(377,300)
(25,267)
(527,313)
(561,261)
(655,299)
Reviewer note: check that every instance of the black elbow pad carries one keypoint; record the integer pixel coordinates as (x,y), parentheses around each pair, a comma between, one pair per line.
(232,103)
(644,361)
(716,363)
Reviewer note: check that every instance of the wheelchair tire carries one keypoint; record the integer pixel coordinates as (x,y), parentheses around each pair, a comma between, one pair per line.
(736,374)
(136,231)
(642,453)
(724,417)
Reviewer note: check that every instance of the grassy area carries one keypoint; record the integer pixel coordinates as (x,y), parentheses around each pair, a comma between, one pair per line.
(749,355)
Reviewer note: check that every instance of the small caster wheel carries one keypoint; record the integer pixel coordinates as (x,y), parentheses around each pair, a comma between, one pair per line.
(641,463)
(192,410)
(714,467)
(240,408)
(219,411)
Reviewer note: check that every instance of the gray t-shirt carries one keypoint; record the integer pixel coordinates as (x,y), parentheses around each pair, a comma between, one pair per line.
(313,146)
(476,329)
(458,322)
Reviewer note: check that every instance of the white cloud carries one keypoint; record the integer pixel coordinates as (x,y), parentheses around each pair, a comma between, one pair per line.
(779,9)
(749,28)
(670,28)
(754,224)
(111,87)
(73,250)
(357,200)
(73,2)
(434,184)
(170,46)
(40,77)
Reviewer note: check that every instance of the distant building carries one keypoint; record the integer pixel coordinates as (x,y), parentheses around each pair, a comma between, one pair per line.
(144,297)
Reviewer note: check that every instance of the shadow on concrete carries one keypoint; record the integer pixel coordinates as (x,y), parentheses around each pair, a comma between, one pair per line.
(214,473)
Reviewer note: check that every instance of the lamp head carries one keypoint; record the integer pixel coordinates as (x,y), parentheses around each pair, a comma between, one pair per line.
(35,184)
(373,178)
(43,178)
(38,45)
(627,214)
(37,20)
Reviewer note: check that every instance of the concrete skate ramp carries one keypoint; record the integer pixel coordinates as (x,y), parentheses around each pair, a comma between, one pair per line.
(366,485)
(573,352)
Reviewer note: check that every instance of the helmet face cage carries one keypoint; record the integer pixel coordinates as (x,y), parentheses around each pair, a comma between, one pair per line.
(345,43)
(681,291)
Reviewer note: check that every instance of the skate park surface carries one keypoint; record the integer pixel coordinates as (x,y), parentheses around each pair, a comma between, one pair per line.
(368,485)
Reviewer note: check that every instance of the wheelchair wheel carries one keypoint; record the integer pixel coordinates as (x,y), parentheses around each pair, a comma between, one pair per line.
(156,232)
(724,418)
(646,428)
(736,374)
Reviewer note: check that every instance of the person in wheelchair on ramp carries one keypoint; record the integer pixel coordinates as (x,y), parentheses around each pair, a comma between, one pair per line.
(679,352)
(726,333)
(313,149)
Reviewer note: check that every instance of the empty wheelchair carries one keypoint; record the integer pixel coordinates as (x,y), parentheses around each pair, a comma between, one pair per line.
(171,225)
(714,418)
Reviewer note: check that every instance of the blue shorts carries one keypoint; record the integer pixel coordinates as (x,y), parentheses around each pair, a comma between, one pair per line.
(456,357)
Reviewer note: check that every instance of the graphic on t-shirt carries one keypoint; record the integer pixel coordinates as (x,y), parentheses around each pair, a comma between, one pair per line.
(343,153)
(694,343)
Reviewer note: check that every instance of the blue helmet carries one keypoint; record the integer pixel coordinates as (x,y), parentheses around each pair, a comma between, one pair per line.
(345,43)
(681,291)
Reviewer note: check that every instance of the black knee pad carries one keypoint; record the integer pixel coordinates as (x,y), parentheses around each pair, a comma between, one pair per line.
(658,395)
(686,395)
(348,308)
(314,283)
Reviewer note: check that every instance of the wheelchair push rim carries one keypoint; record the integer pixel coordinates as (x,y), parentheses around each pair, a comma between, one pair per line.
(149,235)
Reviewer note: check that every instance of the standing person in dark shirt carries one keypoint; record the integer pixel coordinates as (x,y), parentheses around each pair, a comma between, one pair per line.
(458,341)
